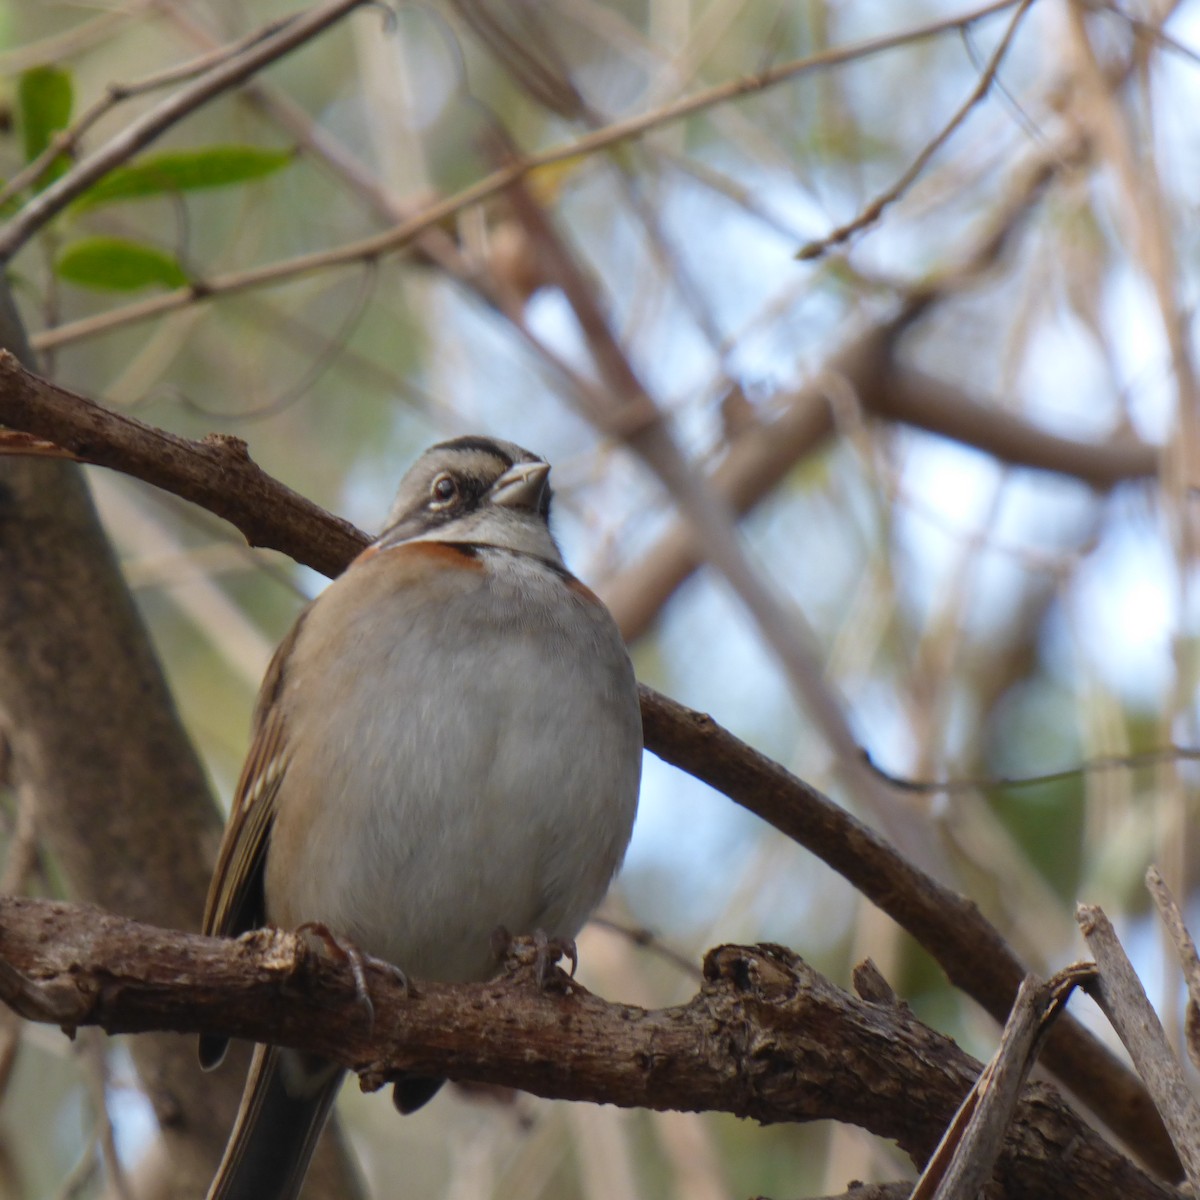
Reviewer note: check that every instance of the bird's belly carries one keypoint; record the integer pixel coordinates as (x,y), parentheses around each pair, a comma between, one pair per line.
(500,792)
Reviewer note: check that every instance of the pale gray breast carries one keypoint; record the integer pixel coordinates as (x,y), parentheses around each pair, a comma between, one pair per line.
(493,782)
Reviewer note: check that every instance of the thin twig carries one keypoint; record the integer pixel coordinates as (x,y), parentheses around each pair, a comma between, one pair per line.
(1147,29)
(647,939)
(1119,993)
(875,209)
(1185,951)
(1089,766)
(59,47)
(141,132)
(65,140)
(406,231)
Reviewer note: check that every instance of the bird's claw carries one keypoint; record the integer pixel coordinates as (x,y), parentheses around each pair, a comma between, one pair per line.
(549,951)
(538,950)
(343,950)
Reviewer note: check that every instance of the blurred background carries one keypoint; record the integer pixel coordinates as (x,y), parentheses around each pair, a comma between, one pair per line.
(914,284)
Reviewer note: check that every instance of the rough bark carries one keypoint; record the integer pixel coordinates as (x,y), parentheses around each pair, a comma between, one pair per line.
(766,1036)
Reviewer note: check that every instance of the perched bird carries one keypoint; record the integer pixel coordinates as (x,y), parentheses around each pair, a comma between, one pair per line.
(447,742)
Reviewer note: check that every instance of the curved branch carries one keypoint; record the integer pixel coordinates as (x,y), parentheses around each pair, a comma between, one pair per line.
(216,473)
(766,1037)
(964,943)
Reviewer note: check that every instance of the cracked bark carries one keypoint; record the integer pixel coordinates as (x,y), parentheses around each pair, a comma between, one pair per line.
(766,1036)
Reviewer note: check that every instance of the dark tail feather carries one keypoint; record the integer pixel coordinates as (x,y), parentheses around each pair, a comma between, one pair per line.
(284,1107)
(414,1091)
(211,1050)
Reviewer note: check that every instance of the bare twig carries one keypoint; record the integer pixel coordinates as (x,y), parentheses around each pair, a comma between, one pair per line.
(58,47)
(1119,993)
(962,1165)
(293,33)
(647,939)
(1089,766)
(406,231)
(1185,951)
(875,209)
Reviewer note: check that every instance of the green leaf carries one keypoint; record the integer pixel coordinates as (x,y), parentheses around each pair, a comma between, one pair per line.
(186,170)
(44,99)
(116,265)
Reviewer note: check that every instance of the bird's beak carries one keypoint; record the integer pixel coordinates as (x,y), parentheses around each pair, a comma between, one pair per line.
(521,486)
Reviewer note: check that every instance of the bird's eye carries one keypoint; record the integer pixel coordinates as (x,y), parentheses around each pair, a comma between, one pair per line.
(444,489)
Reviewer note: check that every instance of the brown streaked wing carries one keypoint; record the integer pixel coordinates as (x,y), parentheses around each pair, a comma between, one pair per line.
(235,901)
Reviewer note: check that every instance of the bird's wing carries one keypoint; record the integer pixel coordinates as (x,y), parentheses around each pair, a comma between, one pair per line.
(235,895)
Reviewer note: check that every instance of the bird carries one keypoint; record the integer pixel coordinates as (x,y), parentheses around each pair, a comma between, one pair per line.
(447,743)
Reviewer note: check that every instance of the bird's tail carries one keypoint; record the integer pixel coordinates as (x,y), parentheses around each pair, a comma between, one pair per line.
(284,1108)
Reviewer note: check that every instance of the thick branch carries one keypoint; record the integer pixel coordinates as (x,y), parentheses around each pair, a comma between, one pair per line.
(968,948)
(949,926)
(217,473)
(766,1037)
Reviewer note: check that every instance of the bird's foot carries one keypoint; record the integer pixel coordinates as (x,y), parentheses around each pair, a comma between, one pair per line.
(398,977)
(537,950)
(343,950)
(503,945)
(549,951)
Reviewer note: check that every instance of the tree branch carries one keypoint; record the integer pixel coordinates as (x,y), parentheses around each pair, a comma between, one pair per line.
(141,132)
(216,473)
(765,1037)
(968,948)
